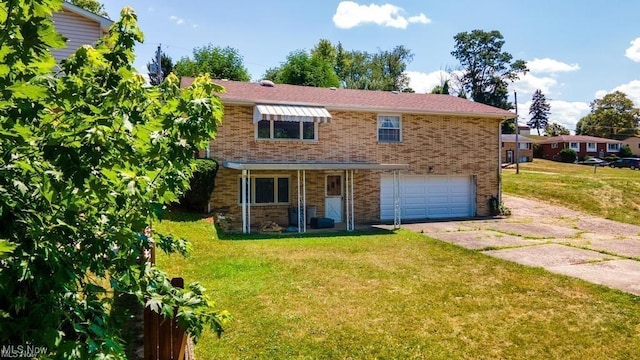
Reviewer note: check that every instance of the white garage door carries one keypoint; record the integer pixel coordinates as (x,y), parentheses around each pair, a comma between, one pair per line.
(423,197)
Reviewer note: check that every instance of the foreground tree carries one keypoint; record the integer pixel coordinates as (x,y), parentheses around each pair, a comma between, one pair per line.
(555,129)
(214,61)
(486,68)
(613,117)
(87,159)
(539,111)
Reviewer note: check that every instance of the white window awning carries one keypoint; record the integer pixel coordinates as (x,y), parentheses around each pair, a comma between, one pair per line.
(291,113)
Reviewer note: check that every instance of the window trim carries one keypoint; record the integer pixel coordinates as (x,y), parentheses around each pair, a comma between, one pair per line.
(272,127)
(609,149)
(576,147)
(592,148)
(399,128)
(253,189)
(554,145)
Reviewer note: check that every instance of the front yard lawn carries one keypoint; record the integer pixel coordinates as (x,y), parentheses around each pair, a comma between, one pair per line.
(394,296)
(610,193)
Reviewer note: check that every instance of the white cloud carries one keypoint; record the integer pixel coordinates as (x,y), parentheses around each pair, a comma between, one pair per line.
(350,14)
(425,82)
(631,89)
(419,19)
(177,20)
(529,83)
(633,52)
(550,66)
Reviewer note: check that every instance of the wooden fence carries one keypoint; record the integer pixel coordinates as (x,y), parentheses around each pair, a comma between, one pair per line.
(163,338)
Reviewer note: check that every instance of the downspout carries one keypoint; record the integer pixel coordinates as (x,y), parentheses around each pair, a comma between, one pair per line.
(500,161)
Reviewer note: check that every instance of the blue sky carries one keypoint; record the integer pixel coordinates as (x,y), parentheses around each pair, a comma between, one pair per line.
(577,51)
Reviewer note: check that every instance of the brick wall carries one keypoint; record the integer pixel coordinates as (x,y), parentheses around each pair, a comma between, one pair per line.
(446,145)
(511,146)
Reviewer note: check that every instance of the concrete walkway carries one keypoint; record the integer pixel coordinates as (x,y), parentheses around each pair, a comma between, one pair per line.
(558,239)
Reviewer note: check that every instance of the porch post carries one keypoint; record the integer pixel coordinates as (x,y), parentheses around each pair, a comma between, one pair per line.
(243,196)
(298,207)
(396,199)
(347,199)
(353,213)
(304,201)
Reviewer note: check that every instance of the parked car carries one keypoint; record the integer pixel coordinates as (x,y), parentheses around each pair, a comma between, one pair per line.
(631,163)
(594,162)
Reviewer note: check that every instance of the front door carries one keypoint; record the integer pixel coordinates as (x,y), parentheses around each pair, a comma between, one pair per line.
(333,198)
(509,156)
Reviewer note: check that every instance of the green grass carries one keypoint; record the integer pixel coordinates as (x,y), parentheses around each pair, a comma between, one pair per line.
(394,296)
(610,193)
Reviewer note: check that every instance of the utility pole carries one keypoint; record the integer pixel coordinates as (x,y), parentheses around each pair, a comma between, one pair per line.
(159,74)
(515,95)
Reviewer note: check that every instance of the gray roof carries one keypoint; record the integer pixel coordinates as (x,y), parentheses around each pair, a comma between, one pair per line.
(512,138)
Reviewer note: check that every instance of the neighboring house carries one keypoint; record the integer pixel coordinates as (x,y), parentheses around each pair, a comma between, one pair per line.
(583,146)
(352,155)
(79,26)
(634,144)
(525,149)
(524,130)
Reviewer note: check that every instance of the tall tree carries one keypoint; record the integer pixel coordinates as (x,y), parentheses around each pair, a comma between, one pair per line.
(86,157)
(539,111)
(555,129)
(214,61)
(486,68)
(93,6)
(441,89)
(302,69)
(166,65)
(614,117)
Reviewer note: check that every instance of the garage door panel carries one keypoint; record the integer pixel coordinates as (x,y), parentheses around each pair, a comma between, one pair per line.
(428,197)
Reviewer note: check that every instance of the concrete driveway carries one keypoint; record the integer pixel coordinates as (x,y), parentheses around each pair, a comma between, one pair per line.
(560,240)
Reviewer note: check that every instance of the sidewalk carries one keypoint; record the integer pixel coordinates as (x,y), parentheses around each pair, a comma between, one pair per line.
(560,240)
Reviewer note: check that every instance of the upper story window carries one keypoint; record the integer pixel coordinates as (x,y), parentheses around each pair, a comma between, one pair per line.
(591,146)
(287,130)
(613,147)
(389,128)
(574,145)
(524,146)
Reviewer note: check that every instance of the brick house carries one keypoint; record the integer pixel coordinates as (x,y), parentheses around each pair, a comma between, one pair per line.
(525,148)
(583,146)
(352,155)
(79,27)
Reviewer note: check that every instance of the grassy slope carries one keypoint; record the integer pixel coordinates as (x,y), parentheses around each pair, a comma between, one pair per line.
(395,296)
(610,193)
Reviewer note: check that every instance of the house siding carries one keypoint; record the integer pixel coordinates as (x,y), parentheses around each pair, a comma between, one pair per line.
(77,29)
(511,146)
(431,145)
(554,153)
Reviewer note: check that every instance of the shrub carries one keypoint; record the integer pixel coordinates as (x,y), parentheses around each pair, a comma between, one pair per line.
(625,151)
(568,155)
(537,151)
(611,158)
(202,184)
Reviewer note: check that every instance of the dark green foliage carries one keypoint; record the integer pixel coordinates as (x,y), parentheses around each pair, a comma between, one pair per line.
(92,6)
(568,155)
(555,129)
(487,69)
(625,151)
(166,65)
(215,62)
(87,157)
(306,70)
(537,151)
(539,111)
(202,183)
(508,127)
(612,117)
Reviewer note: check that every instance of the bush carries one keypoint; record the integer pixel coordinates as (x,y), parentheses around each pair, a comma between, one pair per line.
(537,151)
(202,184)
(611,158)
(625,151)
(568,155)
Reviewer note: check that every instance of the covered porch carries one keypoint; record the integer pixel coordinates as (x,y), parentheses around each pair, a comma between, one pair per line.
(345,181)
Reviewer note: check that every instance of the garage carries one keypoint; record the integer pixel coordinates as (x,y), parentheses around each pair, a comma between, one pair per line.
(429,197)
